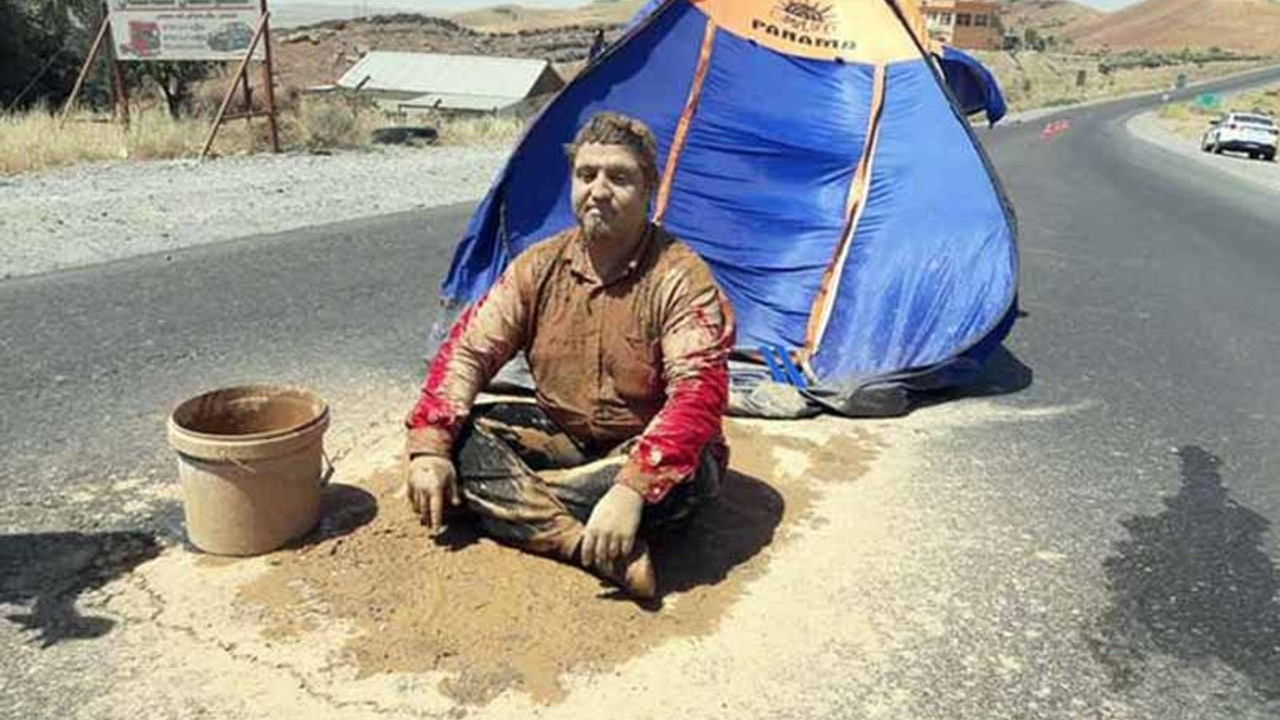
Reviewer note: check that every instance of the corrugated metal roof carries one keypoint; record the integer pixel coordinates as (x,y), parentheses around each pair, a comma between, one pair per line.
(444,74)
(454,101)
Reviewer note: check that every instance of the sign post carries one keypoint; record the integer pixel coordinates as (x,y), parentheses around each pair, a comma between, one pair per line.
(241,75)
(188,31)
(95,50)
(268,79)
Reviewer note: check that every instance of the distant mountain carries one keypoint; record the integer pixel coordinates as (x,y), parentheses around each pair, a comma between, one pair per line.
(514,18)
(1244,26)
(1047,17)
(320,53)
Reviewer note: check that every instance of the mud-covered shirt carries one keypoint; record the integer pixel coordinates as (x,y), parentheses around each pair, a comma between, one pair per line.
(642,353)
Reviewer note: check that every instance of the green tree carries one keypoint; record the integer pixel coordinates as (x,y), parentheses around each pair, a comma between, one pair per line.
(175,80)
(43,43)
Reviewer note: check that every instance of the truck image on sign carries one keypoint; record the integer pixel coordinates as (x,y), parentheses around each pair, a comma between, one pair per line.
(144,39)
(234,36)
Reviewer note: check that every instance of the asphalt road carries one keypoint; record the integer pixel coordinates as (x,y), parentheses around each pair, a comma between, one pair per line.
(1148,477)
(94,359)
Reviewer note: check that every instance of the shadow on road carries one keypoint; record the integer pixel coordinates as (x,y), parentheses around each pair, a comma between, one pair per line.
(1002,374)
(728,532)
(51,570)
(48,572)
(1193,582)
(343,510)
(1243,157)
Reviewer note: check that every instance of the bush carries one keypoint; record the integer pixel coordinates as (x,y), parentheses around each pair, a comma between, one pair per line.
(480,130)
(328,124)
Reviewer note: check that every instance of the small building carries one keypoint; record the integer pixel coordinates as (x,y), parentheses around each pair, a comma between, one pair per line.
(410,83)
(965,24)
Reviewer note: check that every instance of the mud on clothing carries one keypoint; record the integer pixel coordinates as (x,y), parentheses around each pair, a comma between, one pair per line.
(529,484)
(642,354)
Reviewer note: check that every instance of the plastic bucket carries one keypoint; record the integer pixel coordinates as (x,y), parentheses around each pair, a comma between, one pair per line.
(251,462)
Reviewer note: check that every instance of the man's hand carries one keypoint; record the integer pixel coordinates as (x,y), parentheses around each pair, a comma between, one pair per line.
(433,483)
(611,530)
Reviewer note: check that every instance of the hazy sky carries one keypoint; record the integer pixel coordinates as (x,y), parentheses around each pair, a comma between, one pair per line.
(444,6)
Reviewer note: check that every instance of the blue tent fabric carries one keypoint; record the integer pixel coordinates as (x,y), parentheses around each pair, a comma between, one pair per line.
(747,129)
(960,245)
(974,87)
(910,293)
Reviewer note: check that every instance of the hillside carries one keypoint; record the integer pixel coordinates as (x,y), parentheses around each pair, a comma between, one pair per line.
(1047,17)
(1242,26)
(319,54)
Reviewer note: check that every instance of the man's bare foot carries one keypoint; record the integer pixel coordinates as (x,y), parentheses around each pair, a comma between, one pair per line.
(638,579)
(634,576)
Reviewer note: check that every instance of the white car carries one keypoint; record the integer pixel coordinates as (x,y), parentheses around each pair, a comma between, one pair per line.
(1251,133)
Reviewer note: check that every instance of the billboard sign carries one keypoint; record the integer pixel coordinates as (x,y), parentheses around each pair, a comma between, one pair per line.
(184,29)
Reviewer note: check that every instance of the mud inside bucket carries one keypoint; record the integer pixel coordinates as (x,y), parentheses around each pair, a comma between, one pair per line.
(251,462)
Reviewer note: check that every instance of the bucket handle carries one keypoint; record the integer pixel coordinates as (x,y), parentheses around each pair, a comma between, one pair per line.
(325,475)
(329,468)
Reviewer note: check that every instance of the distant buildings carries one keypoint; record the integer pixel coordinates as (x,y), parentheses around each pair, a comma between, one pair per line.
(410,83)
(967,24)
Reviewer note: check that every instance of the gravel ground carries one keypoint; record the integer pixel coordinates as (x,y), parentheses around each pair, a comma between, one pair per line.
(1149,127)
(97,213)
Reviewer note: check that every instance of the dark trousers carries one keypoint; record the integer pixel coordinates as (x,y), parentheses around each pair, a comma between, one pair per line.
(530,485)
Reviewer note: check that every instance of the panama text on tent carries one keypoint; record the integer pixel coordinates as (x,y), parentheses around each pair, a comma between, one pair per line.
(801,38)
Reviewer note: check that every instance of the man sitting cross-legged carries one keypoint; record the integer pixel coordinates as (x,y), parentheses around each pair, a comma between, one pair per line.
(627,338)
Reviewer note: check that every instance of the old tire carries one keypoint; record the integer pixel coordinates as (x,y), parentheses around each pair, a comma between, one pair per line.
(405,135)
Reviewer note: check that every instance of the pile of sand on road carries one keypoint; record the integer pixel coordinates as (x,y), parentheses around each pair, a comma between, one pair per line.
(490,618)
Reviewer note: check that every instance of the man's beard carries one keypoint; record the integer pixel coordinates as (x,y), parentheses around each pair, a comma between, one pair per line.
(595,230)
(615,228)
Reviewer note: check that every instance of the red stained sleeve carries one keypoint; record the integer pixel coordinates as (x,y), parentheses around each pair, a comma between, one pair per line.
(697,339)
(487,334)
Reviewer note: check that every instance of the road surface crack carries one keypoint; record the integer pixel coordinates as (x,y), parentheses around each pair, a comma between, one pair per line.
(305,684)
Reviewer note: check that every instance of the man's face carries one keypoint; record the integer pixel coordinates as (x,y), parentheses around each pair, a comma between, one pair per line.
(610,192)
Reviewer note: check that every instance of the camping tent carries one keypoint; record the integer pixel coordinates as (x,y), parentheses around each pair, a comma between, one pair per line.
(812,155)
(972,85)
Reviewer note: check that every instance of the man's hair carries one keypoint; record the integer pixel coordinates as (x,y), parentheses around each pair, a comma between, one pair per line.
(608,128)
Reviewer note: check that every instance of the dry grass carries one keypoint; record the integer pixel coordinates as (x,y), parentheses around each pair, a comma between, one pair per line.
(37,140)
(480,131)
(1191,121)
(321,123)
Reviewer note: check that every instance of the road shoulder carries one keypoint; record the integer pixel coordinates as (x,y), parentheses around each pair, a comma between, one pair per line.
(92,214)
(1148,128)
